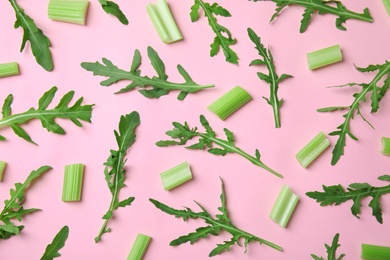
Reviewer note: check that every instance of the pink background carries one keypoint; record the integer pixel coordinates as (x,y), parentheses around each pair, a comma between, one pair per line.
(251,191)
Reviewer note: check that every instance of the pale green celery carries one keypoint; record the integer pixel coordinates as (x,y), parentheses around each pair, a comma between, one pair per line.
(284,206)
(230,102)
(176,176)
(312,150)
(163,21)
(386,145)
(374,252)
(71,11)
(73,182)
(139,247)
(386,3)
(9,69)
(2,169)
(324,57)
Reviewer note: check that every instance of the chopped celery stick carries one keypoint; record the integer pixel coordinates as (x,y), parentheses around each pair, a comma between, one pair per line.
(71,11)
(163,21)
(139,247)
(9,69)
(324,57)
(312,150)
(176,176)
(386,3)
(284,206)
(2,169)
(386,145)
(227,104)
(374,252)
(73,182)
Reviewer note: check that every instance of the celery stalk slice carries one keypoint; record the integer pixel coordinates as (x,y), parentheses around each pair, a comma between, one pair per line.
(2,169)
(375,252)
(230,102)
(284,206)
(386,3)
(324,57)
(312,150)
(139,247)
(73,182)
(176,176)
(9,69)
(163,21)
(71,11)
(385,145)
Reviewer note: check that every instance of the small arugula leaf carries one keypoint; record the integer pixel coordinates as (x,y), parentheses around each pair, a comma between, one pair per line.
(331,250)
(224,217)
(112,8)
(199,233)
(57,243)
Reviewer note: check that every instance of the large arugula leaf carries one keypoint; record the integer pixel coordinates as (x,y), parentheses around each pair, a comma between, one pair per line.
(331,250)
(112,8)
(57,243)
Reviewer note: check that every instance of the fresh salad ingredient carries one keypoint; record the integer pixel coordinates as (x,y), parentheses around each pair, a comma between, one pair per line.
(71,11)
(152,87)
(112,8)
(3,165)
(284,206)
(74,113)
(9,69)
(324,57)
(176,176)
(206,140)
(139,247)
(375,252)
(114,171)
(331,250)
(385,145)
(73,182)
(312,150)
(215,226)
(58,242)
(386,3)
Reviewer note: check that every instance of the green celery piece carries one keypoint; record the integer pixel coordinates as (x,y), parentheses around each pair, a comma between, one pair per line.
(312,150)
(139,247)
(322,7)
(71,11)
(39,42)
(377,92)
(284,206)
(324,57)
(73,182)
(214,227)
(163,21)
(9,69)
(3,165)
(331,250)
(336,195)
(386,3)
(375,252)
(57,243)
(13,208)
(272,78)
(183,133)
(112,8)
(385,145)
(176,176)
(47,116)
(223,37)
(152,87)
(114,171)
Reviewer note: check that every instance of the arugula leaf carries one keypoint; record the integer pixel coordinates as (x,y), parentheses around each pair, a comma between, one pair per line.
(47,116)
(13,208)
(223,37)
(214,227)
(58,243)
(183,133)
(336,195)
(112,8)
(153,87)
(114,171)
(331,250)
(272,78)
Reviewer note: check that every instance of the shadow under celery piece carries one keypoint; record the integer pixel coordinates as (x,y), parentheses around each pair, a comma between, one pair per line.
(114,171)
(74,113)
(183,133)
(214,227)
(337,195)
(58,242)
(112,8)
(331,250)
(151,87)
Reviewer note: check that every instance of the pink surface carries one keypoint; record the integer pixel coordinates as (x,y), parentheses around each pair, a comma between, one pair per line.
(251,191)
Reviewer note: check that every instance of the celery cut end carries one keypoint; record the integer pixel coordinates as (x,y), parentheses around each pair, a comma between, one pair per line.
(176,176)
(71,11)
(73,182)
(284,206)
(9,69)
(139,247)
(312,150)
(3,165)
(385,145)
(324,57)
(375,252)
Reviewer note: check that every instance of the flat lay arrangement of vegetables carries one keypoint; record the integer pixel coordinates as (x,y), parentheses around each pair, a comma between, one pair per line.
(286,98)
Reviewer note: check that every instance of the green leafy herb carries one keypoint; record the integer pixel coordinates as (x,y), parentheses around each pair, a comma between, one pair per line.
(58,243)
(114,171)
(376,88)
(13,208)
(112,8)
(47,116)
(159,86)
(184,133)
(336,195)
(214,227)
(272,78)
(331,250)
(223,37)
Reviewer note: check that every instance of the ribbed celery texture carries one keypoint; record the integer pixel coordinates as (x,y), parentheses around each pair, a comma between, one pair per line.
(385,145)
(139,247)
(374,252)
(176,176)
(71,11)
(312,150)
(163,21)
(386,3)
(9,69)
(2,169)
(284,206)
(324,57)
(73,182)
(230,102)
